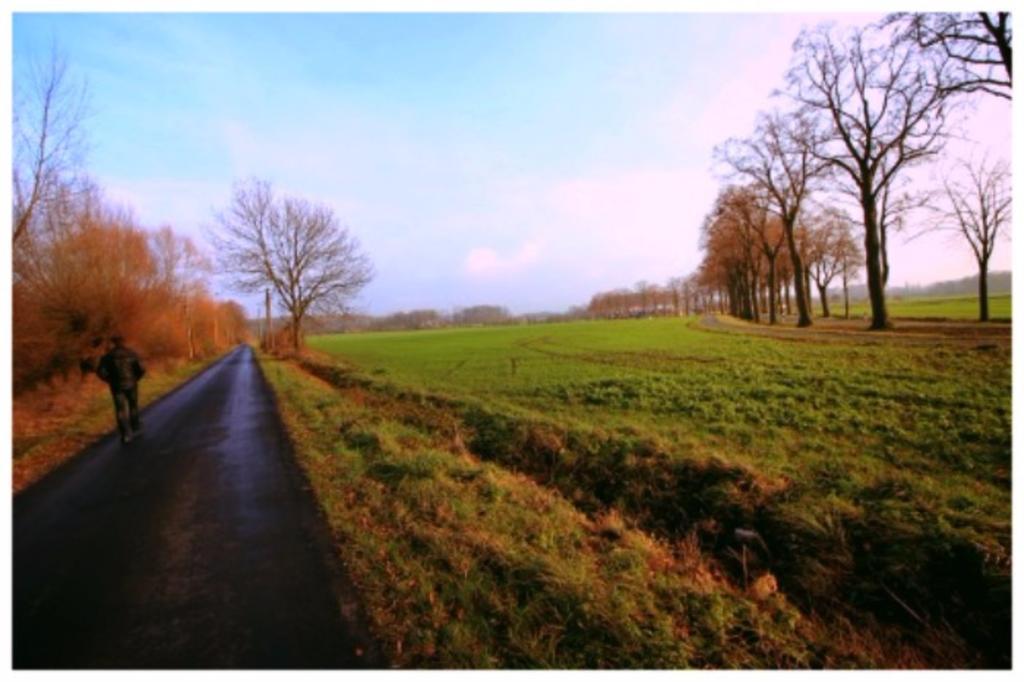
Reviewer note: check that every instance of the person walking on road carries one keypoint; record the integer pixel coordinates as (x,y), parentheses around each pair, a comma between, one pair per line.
(122,370)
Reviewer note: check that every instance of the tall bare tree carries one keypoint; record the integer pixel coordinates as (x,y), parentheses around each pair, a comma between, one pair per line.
(183,270)
(297,247)
(979,207)
(830,242)
(749,215)
(49,107)
(895,206)
(778,161)
(980,44)
(880,109)
(851,259)
(772,238)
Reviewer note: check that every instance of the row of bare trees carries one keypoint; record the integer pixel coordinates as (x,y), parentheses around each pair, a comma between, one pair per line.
(747,269)
(865,107)
(749,264)
(678,297)
(84,270)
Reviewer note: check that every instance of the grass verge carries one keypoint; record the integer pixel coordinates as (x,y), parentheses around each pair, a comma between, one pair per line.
(879,473)
(463,561)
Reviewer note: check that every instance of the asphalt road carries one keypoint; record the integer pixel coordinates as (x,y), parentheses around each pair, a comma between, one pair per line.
(197,545)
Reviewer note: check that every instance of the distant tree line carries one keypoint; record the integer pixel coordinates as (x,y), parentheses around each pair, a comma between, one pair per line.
(748,266)
(1000,282)
(430,318)
(645,299)
(481,314)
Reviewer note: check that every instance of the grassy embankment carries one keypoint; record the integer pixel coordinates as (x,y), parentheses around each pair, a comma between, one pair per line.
(954,308)
(54,422)
(570,495)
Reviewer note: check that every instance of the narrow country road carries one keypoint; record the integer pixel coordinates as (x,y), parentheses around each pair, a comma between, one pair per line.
(195,546)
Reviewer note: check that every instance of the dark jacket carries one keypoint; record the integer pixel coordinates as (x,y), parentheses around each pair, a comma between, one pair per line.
(120,368)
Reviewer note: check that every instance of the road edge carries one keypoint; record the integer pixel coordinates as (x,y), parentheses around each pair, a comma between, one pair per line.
(314,523)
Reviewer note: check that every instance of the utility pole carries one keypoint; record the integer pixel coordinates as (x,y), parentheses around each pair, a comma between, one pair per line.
(269,339)
(188,323)
(259,324)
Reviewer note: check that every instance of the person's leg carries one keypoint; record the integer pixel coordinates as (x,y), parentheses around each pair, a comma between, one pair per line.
(121,412)
(133,407)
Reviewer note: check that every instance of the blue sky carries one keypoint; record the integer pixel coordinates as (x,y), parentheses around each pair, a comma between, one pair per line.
(524,160)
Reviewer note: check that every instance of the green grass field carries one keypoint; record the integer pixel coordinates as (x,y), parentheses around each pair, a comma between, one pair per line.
(954,308)
(875,476)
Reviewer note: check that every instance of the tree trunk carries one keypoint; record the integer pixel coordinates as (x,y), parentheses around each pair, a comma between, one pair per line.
(872,251)
(296,332)
(809,292)
(191,336)
(268,339)
(823,292)
(798,276)
(789,303)
(882,230)
(846,296)
(755,314)
(983,290)
(745,298)
(771,291)
(1002,38)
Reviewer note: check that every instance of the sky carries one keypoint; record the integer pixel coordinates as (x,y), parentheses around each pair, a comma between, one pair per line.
(521,160)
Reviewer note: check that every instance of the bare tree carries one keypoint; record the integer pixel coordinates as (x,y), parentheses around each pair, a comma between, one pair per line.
(481,315)
(182,269)
(749,216)
(645,291)
(830,242)
(851,259)
(895,205)
(779,163)
(979,206)
(292,245)
(880,109)
(980,44)
(772,238)
(48,139)
(676,287)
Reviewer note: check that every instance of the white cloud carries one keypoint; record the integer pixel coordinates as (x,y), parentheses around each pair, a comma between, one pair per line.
(486,262)
(185,205)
